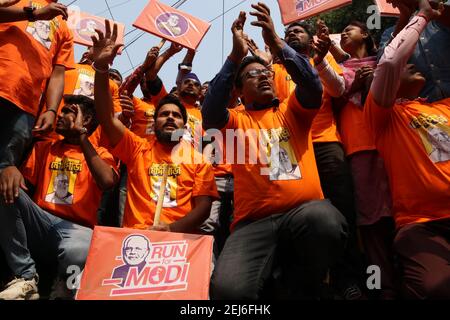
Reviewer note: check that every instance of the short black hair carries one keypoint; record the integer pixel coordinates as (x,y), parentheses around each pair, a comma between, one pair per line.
(171,99)
(116,72)
(245,62)
(87,107)
(302,24)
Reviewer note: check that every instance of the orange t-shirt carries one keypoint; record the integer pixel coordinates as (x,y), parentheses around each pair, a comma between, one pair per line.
(80,81)
(142,122)
(324,125)
(144,160)
(353,130)
(28,52)
(285,175)
(414,139)
(64,185)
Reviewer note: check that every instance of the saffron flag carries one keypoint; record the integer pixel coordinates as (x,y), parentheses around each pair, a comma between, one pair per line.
(293,10)
(386,9)
(83,27)
(171,24)
(129,264)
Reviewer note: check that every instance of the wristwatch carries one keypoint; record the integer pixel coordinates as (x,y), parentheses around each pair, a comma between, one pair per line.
(83,131)
(29,11)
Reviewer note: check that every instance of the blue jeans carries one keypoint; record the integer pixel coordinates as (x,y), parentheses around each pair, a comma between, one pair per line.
(15,134)
(27,231)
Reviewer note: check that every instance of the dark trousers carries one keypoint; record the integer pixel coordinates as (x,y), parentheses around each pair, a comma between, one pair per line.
(337,186)
(15,134)
(304,242)
(377,240)
(423,250)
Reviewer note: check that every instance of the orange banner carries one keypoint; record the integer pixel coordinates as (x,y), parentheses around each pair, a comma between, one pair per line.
(83,27)
(129,264)
(386,9)
(293,10)
(171,24)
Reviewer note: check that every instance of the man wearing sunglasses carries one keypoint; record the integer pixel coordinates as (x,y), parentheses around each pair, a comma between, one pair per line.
(283,230)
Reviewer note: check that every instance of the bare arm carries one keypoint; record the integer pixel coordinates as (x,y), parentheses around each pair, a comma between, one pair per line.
(103,174)
(104,51)
(187,61)
(191,222)
(153,71)
(54,95)
(12,14)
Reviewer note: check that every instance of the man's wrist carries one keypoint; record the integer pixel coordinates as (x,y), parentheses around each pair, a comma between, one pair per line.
(29,12)
(83,131)
(103,69)
(51,110)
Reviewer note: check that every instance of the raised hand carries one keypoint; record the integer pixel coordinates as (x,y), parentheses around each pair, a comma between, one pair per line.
(429,12)
(240,46)
(50,11)
(151,57)
(262,13)
(265,55)
(127,105)
(175,48)
(105,47)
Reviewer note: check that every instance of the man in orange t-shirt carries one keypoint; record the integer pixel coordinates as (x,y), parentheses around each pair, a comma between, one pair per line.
(190,186)
(413,137)
(277,187)
(69,176)
(333,167)
(36,47)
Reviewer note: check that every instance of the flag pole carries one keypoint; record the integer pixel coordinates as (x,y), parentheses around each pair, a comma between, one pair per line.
(162,189)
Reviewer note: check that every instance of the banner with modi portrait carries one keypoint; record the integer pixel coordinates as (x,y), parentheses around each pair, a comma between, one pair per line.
(130,264)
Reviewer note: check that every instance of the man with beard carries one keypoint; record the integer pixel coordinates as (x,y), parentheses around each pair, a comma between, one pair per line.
(191,185)
(69,176)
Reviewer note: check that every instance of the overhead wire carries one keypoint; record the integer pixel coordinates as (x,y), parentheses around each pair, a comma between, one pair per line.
(126,52)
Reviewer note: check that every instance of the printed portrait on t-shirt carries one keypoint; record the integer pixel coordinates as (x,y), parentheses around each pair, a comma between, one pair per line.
(434,132)
(170,193)
(62,181)
(85,85)
(283,162)
(42,31)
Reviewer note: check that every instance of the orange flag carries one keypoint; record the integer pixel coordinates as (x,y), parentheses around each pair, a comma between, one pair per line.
(171,24)
(386,9)
(83,26)
(293,10)
(129,264)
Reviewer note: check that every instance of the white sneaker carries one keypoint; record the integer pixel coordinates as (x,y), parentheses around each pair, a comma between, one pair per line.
(21,289)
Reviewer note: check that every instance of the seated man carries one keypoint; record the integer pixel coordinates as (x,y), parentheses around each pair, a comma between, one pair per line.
(408,132)
(190,187)
(277,217)
(69,176)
